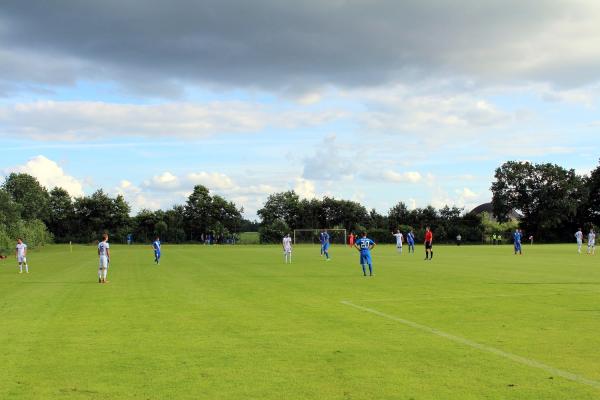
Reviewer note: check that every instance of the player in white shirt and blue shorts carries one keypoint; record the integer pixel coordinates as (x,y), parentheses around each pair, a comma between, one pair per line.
(21,254)
(104,258)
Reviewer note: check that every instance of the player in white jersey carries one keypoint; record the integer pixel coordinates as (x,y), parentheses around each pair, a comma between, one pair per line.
(591,242)
(287,248)
(399,239)
(104,256)
(579,238)
(21,254)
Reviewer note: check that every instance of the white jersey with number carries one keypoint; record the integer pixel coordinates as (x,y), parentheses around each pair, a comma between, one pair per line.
(591,239)
(399,238)
(287,244)
(21,251)
(579,236)
(103,252)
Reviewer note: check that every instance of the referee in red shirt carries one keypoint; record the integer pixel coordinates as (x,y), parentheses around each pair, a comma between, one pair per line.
(428,244)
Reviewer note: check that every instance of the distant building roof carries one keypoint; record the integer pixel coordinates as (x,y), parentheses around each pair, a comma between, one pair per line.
(485,207)
(488,208)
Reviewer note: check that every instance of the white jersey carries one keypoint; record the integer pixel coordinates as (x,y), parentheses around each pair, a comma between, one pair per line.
(103,249)
(579,236)
(287,244)
(399,238)
(592,238)
(21,250)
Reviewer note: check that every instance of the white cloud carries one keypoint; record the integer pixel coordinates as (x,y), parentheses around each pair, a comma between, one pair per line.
(212,180)
(164,181)
(305,188)
(50,175)
(69,121)
(393,176)
(136,198)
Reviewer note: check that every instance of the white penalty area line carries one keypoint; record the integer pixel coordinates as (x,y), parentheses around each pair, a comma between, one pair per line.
(488,349)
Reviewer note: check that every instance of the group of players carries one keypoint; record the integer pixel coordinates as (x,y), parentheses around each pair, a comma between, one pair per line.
(364,245)
(591,246)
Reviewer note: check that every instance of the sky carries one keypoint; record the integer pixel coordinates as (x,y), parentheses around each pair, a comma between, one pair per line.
(373,101)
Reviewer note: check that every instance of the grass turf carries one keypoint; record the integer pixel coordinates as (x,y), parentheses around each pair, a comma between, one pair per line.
(236,323)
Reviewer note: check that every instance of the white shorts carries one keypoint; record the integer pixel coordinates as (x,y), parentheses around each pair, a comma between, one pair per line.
(592,244)
(287,250)
(22,259)
(399,245)
(103,262)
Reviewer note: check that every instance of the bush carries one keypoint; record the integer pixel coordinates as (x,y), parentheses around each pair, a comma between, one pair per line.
(34,233)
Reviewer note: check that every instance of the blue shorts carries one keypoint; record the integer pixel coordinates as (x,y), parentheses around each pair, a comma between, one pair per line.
(517,246)
(325,246)
(157,253)
(365,258)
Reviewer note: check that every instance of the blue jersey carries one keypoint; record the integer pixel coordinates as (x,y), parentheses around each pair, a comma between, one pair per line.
(517,237)
(364,245)
(410,238)
(156,245)
(324,238)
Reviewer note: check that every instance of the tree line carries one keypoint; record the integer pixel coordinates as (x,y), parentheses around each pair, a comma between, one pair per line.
(283,212)
(552,203)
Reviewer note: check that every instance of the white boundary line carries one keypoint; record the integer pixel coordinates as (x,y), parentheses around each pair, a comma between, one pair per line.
(457,339)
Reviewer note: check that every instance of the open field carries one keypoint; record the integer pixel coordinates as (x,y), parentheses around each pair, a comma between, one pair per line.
(236,323)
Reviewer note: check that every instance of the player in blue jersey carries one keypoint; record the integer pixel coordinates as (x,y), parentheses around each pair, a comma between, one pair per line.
(517,236)
(364,245)
(410,239)
(156,247)
(324,239)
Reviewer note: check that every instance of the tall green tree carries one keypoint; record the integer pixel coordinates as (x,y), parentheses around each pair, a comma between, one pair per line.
(591,208)
(29,193)
(197,212)
(547,195)
(100,213)
(283,207)
(60,214)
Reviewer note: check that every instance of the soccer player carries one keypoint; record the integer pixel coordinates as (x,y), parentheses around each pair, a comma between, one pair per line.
(428,244)
(579,238)
(156,247)
(591,242)
(364,245)
(287,248)
(351,239)
(104,256)
(21,254)
(517,241)
(325,244)
(410,239)
(399,238)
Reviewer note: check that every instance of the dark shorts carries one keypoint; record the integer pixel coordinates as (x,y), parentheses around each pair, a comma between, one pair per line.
(428,245)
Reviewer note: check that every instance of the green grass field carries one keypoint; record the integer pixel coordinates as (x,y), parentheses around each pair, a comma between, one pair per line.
(236,323)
